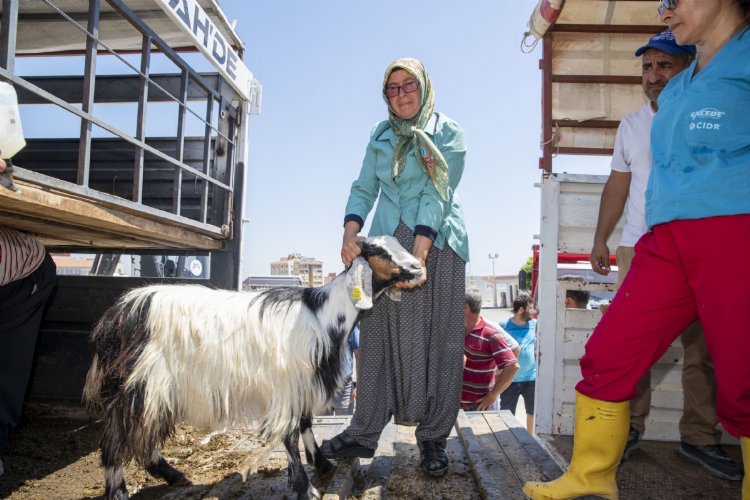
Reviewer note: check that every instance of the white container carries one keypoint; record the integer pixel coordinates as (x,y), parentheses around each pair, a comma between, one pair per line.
(11,133)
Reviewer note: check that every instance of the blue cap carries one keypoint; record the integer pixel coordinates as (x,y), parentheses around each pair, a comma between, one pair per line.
(667,43)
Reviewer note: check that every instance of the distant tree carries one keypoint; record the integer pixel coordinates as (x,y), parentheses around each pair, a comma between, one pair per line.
(524,275)
(527,266)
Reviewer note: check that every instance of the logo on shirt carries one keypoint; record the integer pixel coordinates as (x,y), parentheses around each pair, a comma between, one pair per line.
(706,119)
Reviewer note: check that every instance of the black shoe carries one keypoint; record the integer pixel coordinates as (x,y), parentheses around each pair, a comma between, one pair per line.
(434,460)
(633,444)
(712,458)
(344,445)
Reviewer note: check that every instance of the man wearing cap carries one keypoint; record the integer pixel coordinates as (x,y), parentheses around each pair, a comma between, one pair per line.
(625,190)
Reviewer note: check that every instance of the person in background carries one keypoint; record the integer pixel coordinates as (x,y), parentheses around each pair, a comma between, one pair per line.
(346,400)
(522,328)
(509,340)
(577,299)
(489,364)
(27,278)
(662,58)
(412,342)
(698,210)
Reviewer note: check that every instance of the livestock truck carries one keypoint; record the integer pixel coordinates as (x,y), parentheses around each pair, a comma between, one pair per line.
(135,114)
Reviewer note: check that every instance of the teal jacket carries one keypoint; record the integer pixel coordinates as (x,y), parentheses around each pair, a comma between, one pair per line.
(411,196)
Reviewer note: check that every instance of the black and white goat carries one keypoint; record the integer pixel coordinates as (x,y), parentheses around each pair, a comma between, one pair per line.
(217,359)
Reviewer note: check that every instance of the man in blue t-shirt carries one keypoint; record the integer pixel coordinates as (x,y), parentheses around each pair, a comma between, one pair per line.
(523,329)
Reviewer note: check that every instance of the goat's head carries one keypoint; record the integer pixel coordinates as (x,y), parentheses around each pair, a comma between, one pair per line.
(390,262)
(383,262)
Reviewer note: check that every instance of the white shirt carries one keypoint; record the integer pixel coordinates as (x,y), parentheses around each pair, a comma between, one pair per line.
(512,344)
(632,154)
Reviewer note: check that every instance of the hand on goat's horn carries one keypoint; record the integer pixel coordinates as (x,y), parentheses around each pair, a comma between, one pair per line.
(351,249)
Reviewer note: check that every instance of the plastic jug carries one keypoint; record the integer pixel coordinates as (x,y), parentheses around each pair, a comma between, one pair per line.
(11,133)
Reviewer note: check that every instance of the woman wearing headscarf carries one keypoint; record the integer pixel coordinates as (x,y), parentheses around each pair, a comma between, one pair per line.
(698,209)
(411,347)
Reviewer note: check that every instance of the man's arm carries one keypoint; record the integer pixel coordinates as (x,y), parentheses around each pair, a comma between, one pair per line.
(612,204)
(503,378)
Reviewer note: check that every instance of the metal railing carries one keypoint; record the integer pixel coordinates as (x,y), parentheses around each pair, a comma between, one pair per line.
(218,175)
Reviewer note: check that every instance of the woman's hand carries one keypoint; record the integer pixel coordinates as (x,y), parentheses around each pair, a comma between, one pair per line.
(409,284)
(350,249)
(422,245)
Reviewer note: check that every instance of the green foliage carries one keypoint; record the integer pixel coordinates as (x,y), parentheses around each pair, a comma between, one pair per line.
(527,266)
(524,274)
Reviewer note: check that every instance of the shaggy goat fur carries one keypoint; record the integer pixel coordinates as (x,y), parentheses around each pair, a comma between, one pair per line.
(218,359)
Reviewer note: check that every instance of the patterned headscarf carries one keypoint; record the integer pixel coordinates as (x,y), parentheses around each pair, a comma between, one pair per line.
(411,132)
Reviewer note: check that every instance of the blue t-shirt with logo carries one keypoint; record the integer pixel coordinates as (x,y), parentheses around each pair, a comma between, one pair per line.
(526,338)
(700,140)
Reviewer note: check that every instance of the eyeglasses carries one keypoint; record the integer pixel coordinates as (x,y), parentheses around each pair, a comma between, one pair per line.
(406,88)
(665,5)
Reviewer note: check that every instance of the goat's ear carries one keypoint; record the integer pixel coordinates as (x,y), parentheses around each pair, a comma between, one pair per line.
(359,283)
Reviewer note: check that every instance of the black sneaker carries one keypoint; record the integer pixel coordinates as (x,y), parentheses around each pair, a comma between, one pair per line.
(712,458)
(633,444)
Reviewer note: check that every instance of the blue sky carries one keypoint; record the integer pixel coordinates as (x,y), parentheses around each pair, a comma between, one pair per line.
(321,65)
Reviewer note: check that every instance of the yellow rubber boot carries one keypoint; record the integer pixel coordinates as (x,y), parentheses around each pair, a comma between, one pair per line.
(599,438)
(745,443)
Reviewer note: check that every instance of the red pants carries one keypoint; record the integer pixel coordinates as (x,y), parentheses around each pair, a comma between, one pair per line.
(681,272)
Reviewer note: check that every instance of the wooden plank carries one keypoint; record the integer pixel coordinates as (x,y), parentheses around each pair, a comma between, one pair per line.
(621,16)
(549,343)
(340,485)
(523,465)
(405,477)
(460,467)
(65,213)
(531,447)
(408,480)
(57,234)
(494,475)
(379,467)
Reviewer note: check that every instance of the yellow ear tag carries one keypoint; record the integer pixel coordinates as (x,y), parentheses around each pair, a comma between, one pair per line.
(357,293)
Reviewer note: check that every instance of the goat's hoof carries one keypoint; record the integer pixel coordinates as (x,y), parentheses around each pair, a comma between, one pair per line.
(121,493)
(312,493)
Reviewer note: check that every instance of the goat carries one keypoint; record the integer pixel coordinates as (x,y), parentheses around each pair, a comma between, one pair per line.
(217,359)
